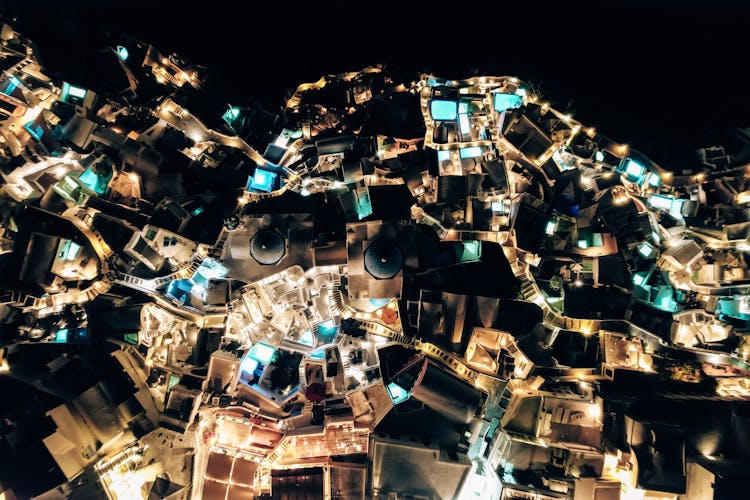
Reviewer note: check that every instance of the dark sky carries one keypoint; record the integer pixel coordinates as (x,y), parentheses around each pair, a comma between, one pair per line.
(660,75)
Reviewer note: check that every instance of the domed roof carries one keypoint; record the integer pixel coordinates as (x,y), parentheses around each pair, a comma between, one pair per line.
(383,259)
(267,246)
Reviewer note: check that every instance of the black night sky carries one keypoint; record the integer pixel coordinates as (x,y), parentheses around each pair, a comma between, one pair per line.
(664,76)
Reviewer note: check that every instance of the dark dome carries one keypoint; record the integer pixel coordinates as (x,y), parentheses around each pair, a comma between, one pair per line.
(383,259)
(267,246)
